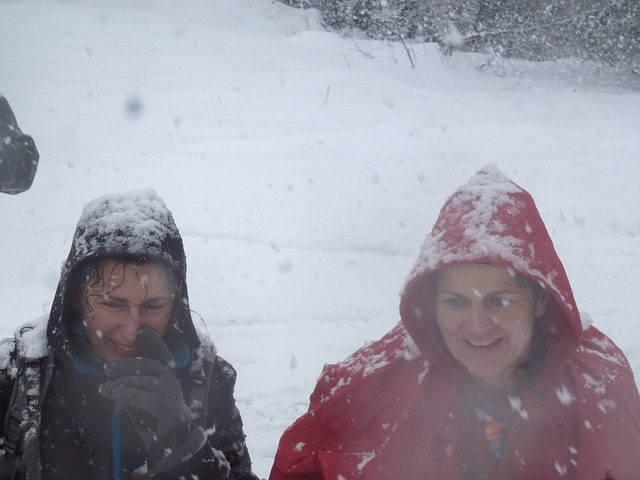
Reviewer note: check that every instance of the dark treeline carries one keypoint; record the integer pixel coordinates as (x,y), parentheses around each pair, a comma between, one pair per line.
(606,31)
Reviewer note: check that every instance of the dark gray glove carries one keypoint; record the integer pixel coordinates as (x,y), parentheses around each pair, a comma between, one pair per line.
(149,392)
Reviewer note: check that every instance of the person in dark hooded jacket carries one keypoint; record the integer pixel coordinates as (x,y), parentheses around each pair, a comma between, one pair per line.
(491,374)
(117,383)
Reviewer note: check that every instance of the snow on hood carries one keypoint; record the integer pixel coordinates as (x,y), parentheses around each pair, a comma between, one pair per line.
(137,224)
(491,220)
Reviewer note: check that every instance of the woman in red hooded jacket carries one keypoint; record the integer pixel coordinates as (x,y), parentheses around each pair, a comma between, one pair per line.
(491,374)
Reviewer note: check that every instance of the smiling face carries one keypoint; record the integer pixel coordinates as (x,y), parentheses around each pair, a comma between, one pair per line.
(486,318)
(126,297)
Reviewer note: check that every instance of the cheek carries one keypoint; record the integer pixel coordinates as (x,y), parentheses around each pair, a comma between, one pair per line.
(520,328)
(158,324)
(448,322)
(84,310)
(95,335)
(99,326)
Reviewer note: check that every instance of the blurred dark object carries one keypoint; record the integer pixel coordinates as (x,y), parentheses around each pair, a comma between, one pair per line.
(18,153)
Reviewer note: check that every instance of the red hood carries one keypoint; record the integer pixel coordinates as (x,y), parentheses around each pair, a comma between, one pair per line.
(492,220)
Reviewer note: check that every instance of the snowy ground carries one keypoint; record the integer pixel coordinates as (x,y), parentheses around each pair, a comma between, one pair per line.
(304,170)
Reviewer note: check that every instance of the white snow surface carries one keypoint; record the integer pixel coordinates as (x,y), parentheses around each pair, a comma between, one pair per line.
(304,170)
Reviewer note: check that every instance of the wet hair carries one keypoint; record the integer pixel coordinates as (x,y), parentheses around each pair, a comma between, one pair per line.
(525,282)
(90,275)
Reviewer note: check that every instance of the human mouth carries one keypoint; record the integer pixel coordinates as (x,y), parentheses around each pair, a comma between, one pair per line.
(483,343)
(126,349)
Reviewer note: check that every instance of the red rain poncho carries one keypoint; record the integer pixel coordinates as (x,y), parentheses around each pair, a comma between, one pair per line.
(403,409)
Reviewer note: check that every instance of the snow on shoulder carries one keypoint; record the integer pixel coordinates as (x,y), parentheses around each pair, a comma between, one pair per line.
(137,220)
(396,345)
(33,343)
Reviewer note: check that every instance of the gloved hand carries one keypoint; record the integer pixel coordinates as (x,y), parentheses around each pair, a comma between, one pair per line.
(149,392)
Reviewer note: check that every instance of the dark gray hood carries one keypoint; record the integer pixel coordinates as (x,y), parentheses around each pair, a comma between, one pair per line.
(134,224)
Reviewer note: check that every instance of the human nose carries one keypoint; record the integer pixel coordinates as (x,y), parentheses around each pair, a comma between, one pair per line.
(480,319)
(131,322)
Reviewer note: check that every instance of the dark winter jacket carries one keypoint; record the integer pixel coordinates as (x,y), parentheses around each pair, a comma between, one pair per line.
(81,434)
(18,153)
(403,408)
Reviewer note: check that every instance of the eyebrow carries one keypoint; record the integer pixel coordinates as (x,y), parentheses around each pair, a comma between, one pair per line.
(490,294)
(116,298)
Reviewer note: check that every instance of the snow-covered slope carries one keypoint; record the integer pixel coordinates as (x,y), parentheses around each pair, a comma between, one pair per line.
(304,170)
